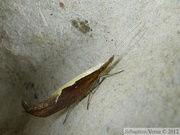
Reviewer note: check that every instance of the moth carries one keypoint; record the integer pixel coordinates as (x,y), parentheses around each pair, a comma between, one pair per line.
(74,91)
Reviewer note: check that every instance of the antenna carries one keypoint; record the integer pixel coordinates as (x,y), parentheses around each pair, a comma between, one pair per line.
(127,48)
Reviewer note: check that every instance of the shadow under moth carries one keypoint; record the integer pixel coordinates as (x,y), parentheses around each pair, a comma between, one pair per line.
(66,97)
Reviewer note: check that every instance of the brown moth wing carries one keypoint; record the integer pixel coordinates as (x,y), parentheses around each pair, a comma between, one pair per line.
(69,95)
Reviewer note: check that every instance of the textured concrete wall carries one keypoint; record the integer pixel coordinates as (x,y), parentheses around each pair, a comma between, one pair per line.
(44,44)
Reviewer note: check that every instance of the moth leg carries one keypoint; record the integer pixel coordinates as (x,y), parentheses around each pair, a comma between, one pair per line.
(101,78)
(89,98)
(69,109)
(109,75)
(91,94)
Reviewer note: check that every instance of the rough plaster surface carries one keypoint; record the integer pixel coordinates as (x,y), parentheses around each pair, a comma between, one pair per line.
(40,50)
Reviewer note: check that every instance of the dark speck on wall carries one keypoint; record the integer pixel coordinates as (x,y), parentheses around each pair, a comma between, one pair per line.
(35,96)
(61,4)
(82,26)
